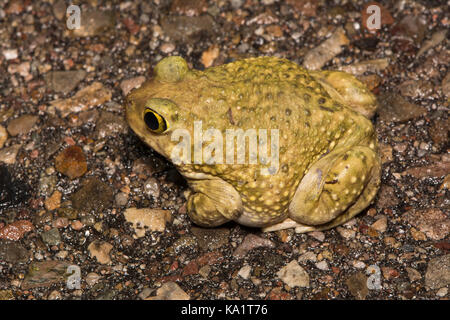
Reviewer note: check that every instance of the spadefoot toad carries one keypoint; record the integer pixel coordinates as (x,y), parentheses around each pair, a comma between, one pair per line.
(221,126)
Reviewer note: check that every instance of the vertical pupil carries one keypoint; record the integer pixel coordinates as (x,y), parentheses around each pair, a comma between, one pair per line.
(151,121)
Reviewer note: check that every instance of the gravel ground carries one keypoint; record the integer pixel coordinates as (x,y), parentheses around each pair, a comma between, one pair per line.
(79,189)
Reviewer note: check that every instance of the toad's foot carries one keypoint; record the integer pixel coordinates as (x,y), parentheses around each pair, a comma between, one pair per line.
(290,224)
(213,202)
(345,88)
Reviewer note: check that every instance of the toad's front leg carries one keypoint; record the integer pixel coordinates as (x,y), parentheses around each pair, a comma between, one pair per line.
(213,202)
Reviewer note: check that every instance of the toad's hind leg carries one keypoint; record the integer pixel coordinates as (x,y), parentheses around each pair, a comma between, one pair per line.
(336,188)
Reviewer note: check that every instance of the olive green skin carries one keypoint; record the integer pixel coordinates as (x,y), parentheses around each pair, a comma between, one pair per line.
(329,165)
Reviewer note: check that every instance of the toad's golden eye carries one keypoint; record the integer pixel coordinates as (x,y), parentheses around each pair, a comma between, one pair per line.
(154,121)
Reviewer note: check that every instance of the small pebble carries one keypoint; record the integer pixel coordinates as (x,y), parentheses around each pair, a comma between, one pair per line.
(432,222)
(294,275)
(3,136)
(250,242)
(92,278)
(16,230)
(76,225)
(121,199)
(357,285)
(110,124)
(210,55)
(317,235)
(438,272)
(71,162)
(86,98)
(54,295)
(442,292)
(10,54)
(204,271)
(95,22)
(147,219)
(64,81)
(51,237)
(308,256)
(346,233)
(170,291)
(101,251)
(54,201)
(413,274)
(62,254)
(151,188)
(244,272)
(60,223)
(22,125)
(167,47)
(94,195)
(130,84)
(23,69)
(319,56)
(145,293)
(380,224)
(322,265)
(359,264)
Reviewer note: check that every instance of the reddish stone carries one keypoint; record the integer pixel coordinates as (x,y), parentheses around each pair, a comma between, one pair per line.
(307,8)
(174,266)
(35,203)
(443,245)
(68,63)
(34,154)
(432,221)
(54,201)
(190,268)
(209,258)
(183,209)
(278,294)
(335,270)
(322,294)
(251,241)
(437,169)
(77,225)
(188,7)
(363,228)
(372,232)
(172,278)
(97,47)
(275,30)
(71,162)
(15,7)
(16,230)
(389,273)
(341,249)
(23,214)
(69,141)
(132,27)
(60,223)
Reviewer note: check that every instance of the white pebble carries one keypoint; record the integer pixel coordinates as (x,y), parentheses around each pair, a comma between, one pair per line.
(442,292)
(359,264)
(244,272)
(322,265)
(10,54)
